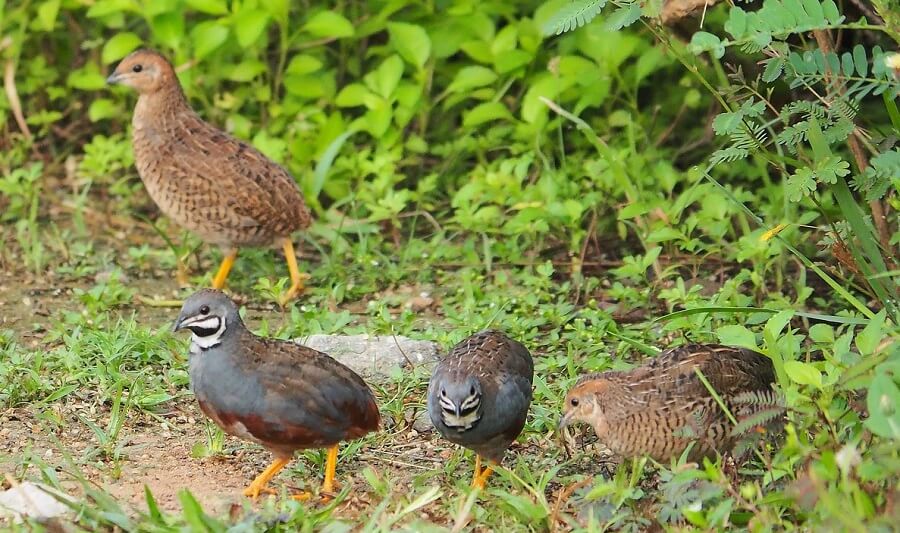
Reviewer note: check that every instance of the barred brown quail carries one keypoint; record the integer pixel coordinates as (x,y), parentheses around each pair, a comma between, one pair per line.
(479,395)
(217,186)
(661,407)
(276,393)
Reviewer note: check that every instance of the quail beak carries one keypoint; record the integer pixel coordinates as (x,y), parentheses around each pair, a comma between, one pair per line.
(112,79)
(180,323)
(565,420)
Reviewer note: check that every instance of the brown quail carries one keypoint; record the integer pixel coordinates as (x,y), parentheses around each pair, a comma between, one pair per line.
(276,393)
(209,182)
(479,395)
(661,407)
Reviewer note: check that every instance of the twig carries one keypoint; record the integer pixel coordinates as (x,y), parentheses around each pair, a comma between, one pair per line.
(564,495)
(9,85)
(408,360)
(465,513)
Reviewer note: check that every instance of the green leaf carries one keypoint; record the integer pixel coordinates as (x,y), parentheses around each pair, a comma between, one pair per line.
(775,325)
(831,12)
(206,37)
(102,108)
(860,61)
(486,112)
(329,24)
(386,77)
(664,234)
(883,402)
(799,184)
(168,29)
(470,77)
(773,70)
(249,25)
(505,62)
(279,9)
(706,42)
(803,373)
(377,119)
(737,335)
(212,7)
(304,64)
(119,46)
(737,22)
(870,337)
(573,15)
(411,42)
(822,333)
(46,15)
(246,70)
(623,17)
(86,78)
(61,392)
(325,162)
(352,95)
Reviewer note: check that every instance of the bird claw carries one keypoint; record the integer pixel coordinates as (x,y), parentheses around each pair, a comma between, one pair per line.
(294,291)
(253,492)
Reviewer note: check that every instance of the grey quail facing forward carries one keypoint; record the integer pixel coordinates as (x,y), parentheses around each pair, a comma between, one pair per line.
(658,409)
(479,395)
(276,393)
(219,187)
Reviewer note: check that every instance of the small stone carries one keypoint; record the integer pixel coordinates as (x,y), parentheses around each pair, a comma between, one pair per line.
(32,500)
(371,356)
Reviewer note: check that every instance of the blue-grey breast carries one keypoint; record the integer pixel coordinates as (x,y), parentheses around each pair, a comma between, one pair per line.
(479,395)
(279,394)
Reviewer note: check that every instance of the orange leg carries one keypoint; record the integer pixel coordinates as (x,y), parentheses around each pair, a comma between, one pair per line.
(477,469)
(296,276)
(330,467)
(481,477)
(259,484)
(224,269)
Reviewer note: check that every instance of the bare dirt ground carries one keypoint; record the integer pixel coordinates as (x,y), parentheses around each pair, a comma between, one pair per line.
(155,449)
(158,454)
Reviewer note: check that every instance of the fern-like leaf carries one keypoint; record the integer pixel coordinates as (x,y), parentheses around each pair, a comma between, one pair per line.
(878,178)
(573,16)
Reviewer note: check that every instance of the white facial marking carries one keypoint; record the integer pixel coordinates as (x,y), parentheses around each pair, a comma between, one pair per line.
(198,344)
(464,421)
(461,423)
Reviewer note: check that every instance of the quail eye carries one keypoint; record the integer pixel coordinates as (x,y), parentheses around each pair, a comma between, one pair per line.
(443,393)
(204,310)
(472,390)
(574,402)
(137,68)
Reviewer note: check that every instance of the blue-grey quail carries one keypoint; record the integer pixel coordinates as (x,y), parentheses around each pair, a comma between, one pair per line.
(479,395)
(217,186)
(276,393)
(661,407)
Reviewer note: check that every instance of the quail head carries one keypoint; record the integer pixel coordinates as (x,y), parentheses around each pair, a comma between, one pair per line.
(479,395)
(207,181)
(660,408)
(281,395)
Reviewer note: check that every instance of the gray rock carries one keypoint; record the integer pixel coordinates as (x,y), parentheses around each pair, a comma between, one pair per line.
(32,500)
(422,423)
(374,357)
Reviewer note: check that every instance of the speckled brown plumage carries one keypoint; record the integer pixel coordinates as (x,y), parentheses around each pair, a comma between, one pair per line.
(659,408)
(479,395)
(215,185)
